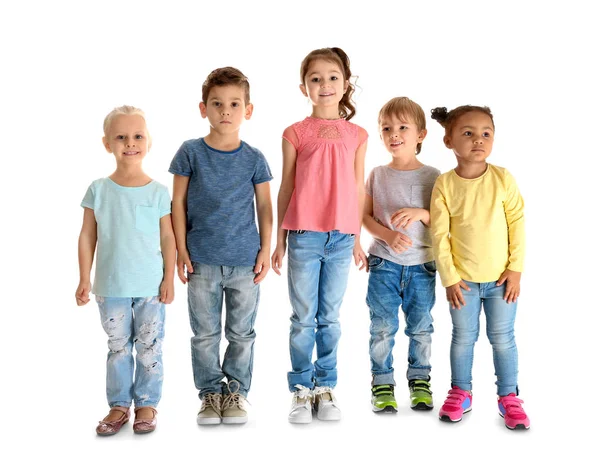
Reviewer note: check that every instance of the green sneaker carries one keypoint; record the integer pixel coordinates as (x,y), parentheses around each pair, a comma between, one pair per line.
(420,394)
(382,399)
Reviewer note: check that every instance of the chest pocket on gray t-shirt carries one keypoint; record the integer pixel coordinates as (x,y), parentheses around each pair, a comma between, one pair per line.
(420,196)
(146,219)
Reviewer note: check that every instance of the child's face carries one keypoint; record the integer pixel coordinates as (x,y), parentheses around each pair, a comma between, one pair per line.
(226,108)
(472,137)
(127,138)
(400,136)
(324,83)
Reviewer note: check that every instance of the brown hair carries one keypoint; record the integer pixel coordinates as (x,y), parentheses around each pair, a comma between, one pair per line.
(404,108)
(224,77)
(335,55)
(448,118)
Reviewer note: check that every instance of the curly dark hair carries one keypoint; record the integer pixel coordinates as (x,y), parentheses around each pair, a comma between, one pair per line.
(448,118)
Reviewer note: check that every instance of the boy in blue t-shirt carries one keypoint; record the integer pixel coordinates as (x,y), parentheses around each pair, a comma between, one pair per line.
(216,179)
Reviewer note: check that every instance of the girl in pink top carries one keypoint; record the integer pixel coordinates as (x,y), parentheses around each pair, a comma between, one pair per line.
(319,212)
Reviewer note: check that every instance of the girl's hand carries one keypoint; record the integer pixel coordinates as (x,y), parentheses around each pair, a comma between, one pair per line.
(399,242)
(454,294)
(167,291)
(404,217)
(277,257)
(262,265)
(184,263)
(82,295)
(513,285)
(360,257)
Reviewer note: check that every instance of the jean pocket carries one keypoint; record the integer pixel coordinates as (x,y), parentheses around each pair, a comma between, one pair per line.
(375,262)
(429,267)
(146,219)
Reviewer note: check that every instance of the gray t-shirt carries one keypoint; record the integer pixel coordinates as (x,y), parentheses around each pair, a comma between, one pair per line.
(221,226)
(391,190)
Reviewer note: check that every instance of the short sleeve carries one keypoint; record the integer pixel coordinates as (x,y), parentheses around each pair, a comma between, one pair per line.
(262,172)
(180,165)
(362,135)
(289,134)
(89,198)
(164,206)
(369,183)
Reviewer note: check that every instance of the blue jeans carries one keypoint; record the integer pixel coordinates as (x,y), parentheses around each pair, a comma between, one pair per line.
(129,322)
(206,288)
(318,266)
(390,286)
(500,322)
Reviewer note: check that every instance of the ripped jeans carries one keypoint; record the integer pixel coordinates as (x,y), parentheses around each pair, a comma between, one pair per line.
(129,322)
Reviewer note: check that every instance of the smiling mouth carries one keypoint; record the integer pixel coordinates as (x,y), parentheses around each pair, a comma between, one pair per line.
(131,152)
(395,144)
(327,94)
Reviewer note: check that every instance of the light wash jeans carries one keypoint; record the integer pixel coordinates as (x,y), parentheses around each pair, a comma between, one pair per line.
(129,322)
(206,288)
(318,266)
(393,285)
(500,322)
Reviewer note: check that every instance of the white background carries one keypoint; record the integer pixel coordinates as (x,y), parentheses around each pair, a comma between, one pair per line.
(65,65)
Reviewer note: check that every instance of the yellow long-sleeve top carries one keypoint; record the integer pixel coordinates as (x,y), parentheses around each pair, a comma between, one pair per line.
(477,226)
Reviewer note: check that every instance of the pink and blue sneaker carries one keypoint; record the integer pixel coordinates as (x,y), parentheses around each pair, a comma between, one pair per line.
(457,403)
(512,412)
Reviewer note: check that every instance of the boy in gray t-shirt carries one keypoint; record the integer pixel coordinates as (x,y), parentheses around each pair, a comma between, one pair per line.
(401,268)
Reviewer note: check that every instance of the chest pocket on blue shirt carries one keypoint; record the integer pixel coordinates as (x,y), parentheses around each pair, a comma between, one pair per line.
(146,219)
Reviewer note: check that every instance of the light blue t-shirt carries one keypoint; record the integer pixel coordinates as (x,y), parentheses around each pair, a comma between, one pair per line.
(221,225)
(129,262)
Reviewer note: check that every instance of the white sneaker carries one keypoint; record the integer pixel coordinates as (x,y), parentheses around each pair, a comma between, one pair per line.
(326,405)
(301,411)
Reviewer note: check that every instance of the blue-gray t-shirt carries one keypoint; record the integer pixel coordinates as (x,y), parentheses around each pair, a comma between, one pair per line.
(221,225)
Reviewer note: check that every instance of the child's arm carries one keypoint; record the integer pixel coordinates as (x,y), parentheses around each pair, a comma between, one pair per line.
(87,246)
(168,249)
(179,219)
(360,258)
(515,220)
(399,242)
(264,211)
(402,218)
(286,189)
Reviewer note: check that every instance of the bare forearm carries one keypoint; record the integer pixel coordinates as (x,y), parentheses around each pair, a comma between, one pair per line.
(376,229)
(265,225)
(179,218)
(86,248)
(283,201)
(168,249)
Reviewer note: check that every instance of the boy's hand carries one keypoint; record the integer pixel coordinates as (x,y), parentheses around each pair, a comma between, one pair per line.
(404,217)
(82,295)
(454,294)
(183,263)
(167,291)
(359,256)
(277,257)
(262,265)
(399,242)
(513,285)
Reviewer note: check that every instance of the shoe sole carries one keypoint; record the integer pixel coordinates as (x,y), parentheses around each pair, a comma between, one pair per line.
(386,409)
(422,406)
(235,420)
(295,420)
(208,421)
(517,427)
(446,418)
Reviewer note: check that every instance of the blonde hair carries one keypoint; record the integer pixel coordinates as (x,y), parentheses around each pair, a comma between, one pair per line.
(404,109)
(122,110)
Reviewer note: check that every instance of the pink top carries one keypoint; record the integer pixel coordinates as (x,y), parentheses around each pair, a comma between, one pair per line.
(325,197)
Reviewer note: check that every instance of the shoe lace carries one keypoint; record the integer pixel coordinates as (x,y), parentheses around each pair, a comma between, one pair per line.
(456,396)
(233,398)
(213,400)
(325,393)
(302,392)
(421,385)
